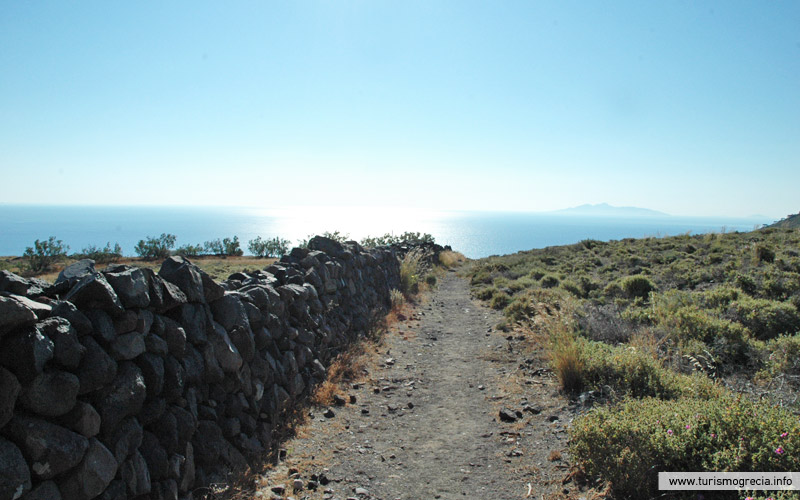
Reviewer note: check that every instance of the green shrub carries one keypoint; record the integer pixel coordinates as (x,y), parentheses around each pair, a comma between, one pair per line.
(190,250)
(391,239)
(637,286)
(45,253)
(430,280)
(500,300)
(155,248)
(521,308)
(537,273)
(101,255)
(628,444)
(766,318)
(783,355)
(224,248)
(485,293)
(765,253)
(549,281)
(274,247)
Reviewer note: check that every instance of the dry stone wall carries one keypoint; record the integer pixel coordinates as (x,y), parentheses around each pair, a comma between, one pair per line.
(124,383)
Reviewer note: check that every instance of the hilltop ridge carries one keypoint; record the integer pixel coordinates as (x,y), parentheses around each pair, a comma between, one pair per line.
(790,221)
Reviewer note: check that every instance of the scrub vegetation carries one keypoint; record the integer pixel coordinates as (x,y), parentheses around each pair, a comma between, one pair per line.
(689,345)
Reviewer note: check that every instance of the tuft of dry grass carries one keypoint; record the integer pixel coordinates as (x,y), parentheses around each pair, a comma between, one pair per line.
(554,456)
(450,259)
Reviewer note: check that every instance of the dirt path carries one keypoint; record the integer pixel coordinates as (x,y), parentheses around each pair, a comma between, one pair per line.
(426,423)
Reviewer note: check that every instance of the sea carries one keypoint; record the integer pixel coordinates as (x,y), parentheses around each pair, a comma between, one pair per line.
(475,234)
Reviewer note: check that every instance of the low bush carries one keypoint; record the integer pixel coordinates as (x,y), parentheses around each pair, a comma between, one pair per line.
(637,286)
(766,319)
(155,248)
(224,248)
(782,356)
(628,444)
(273,247)
(44,254)
(500,300)
(190,250)
(101,255)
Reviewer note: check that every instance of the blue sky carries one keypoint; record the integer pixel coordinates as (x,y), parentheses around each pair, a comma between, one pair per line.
(691,108)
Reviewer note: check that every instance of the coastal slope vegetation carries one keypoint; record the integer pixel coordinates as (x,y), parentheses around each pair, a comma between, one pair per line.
(687,347)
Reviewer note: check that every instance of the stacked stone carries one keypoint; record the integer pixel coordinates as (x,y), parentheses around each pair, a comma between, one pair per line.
(125,383)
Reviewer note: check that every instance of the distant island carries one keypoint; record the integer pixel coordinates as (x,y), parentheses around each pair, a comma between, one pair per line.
(606,210)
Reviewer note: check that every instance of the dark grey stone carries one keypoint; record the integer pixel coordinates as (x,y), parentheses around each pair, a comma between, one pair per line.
(51,393)
(174,379)
(67,351)
(12,283)
(94,292)
(83,419)
(155,456)
(242,338)
(126,322)
(126,439)
(15,478)
(76,271)
(13,314)
(196,322)
(156,345)
(47,490)
(186,276)
(97,369)
(207,442)
(49,448)
(9,390)
(127,346)
(152,367)
(230,312)
(164,296)
(40,309)
(26,352)
(211,289)
(102,325)
(124,397)
(130,285)
(136,475)
(76,318)
(175,336)
(227,354)
(92,476)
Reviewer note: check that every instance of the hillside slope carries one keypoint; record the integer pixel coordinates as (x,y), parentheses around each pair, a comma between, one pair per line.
(790,222)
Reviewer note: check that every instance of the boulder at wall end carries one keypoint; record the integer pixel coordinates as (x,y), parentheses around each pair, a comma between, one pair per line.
(93,475)
(15,478)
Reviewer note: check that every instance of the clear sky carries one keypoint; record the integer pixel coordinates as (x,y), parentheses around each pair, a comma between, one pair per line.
(688,107)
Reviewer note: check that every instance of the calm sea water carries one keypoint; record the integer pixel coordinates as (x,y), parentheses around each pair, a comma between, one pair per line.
(476,234)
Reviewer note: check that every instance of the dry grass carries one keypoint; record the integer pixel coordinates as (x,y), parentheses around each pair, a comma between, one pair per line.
(450,259)
(554,456)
